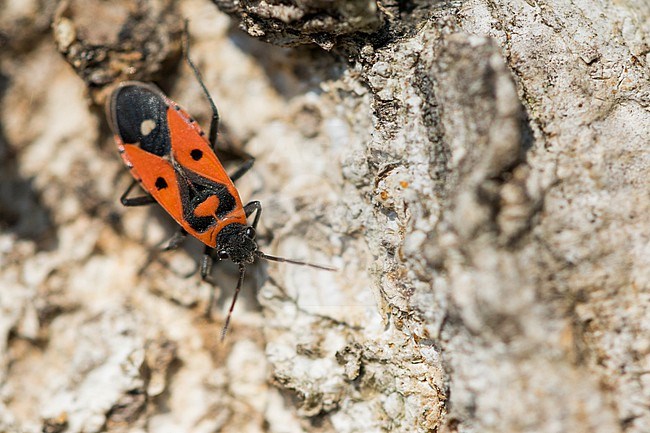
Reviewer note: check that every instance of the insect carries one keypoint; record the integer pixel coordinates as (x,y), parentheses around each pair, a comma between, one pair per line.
(175,163)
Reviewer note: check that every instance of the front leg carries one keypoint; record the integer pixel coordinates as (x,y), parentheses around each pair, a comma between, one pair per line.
(254,206)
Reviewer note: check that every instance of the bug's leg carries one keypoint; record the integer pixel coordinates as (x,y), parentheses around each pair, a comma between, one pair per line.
(206,269)
(214,123)
(135,201)
(172,244)
(254,206)
(242,169)
(176,240)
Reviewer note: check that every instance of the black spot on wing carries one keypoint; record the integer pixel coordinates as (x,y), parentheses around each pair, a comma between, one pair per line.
(133,104)
(196,154)
(161,183)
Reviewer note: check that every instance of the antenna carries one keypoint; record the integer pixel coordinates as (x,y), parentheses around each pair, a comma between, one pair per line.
(242,271)
(293,262)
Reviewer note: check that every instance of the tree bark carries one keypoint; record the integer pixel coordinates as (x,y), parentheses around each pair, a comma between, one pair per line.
(477,171)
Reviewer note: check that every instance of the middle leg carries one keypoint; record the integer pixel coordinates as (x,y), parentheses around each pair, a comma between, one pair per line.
(242,169)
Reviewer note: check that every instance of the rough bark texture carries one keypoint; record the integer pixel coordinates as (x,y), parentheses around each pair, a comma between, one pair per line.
(302,21)
(477,170)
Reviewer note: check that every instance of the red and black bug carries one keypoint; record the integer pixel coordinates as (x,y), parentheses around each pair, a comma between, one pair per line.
(174,162)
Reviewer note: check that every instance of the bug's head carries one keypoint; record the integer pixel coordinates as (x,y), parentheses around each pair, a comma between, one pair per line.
(237,243)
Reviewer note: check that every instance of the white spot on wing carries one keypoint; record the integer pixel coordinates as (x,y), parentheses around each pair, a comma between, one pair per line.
(147,126)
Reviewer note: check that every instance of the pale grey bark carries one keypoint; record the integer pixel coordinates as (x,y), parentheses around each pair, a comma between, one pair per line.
(478,172)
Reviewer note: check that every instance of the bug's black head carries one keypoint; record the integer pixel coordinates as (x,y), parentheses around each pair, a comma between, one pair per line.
(237,243)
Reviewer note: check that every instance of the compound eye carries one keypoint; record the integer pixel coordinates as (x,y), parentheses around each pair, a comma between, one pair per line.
(250,232)
(223,254)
